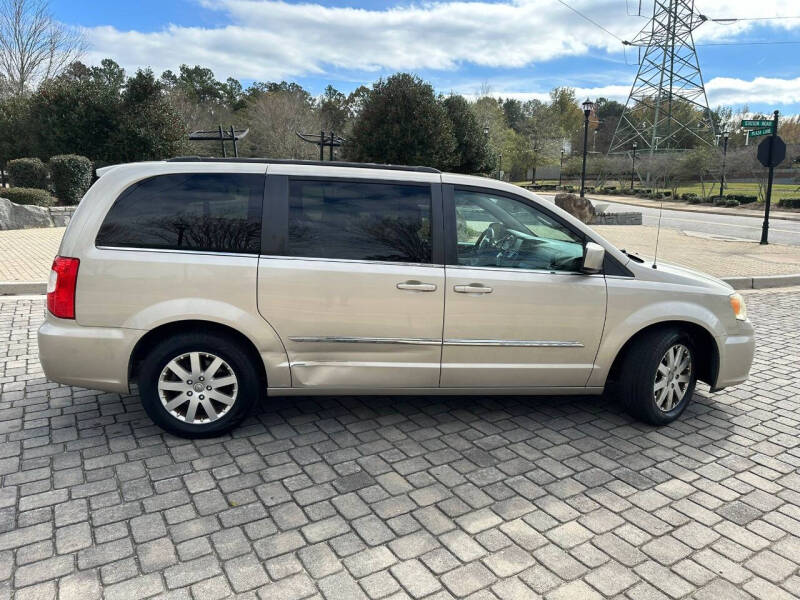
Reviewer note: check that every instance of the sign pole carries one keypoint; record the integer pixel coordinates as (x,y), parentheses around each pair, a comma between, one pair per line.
(765,226)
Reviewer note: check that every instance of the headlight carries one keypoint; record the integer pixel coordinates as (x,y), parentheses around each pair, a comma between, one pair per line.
(738,306)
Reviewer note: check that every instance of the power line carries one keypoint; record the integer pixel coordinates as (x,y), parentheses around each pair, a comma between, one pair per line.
(778,43)
(592,21)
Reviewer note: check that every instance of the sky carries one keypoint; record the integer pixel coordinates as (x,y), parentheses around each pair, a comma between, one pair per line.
(512,48)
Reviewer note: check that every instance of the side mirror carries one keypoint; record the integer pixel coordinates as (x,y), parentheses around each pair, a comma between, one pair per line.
(593,257)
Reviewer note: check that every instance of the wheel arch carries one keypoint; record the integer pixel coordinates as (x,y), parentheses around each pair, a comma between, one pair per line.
(152,338)
(703,339)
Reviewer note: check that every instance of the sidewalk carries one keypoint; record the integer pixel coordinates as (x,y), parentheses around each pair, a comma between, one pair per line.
(26,254)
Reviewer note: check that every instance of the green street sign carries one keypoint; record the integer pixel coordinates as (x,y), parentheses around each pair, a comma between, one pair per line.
(757,132)
(757,123)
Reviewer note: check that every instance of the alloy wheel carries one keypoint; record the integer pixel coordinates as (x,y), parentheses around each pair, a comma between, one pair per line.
(673,376)
(197,387)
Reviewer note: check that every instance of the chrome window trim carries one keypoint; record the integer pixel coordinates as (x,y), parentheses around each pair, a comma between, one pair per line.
(519,270)
(513,343)
(176,251)
(351,261)
(435,342)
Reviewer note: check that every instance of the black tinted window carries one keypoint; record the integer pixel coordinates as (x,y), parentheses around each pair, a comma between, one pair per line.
(360,221)
(218,212)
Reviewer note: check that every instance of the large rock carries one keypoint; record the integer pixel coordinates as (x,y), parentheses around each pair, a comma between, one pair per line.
(578,207)
(23,216)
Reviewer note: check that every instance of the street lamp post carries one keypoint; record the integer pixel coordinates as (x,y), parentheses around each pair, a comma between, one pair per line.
(561,167)
(587,110)
(500,166)
(633,165)
(725,135)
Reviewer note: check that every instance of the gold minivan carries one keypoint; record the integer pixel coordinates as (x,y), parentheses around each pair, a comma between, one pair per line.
(212,283)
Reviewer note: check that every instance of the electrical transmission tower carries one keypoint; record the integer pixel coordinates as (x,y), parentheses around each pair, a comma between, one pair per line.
(667,107)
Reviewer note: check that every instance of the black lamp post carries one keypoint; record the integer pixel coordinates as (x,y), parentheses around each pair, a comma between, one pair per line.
(561,167)
(633,165)
(587,106)
(725,135)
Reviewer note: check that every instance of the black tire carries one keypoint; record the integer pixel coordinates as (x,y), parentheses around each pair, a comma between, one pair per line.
(248,381)
(638,376)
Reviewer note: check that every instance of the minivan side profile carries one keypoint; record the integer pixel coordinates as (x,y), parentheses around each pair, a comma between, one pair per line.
(212,283)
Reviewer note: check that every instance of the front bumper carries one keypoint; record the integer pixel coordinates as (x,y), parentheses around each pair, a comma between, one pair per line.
(90,357)
(735,356)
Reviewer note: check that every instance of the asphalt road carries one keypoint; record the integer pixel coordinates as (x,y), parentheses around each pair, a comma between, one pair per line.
(781,231)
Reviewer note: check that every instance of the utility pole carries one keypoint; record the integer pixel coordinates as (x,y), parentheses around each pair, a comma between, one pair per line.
(561,167)
(633,165)
(725,135)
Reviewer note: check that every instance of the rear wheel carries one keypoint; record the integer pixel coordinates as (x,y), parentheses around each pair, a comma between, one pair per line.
(659,375)
(196,385)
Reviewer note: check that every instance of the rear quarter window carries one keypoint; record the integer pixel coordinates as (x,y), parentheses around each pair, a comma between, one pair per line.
(214,212)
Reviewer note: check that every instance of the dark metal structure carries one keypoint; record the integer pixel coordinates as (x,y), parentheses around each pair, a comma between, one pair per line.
(220,135)
(587,106)
(322,140)
(668,80)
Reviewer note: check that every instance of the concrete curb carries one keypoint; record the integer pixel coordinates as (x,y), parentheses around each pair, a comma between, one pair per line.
(763,281)
(27,288)
(22,288)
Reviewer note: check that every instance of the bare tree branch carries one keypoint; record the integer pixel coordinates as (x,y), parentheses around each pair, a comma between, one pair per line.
(34,47)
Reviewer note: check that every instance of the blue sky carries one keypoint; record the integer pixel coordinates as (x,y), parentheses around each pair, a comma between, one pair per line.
(520,48)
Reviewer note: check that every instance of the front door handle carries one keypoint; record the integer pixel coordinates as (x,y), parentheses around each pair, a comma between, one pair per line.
(416,286)
(472,288)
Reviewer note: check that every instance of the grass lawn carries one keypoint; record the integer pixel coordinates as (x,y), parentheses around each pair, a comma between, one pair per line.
(778,190)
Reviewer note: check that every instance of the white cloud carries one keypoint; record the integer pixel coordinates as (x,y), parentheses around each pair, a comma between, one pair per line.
(271,39)
(720,90)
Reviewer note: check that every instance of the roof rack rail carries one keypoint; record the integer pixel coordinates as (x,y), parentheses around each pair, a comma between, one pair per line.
(318,163)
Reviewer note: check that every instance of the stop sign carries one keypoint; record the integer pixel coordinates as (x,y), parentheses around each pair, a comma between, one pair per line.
(774,158)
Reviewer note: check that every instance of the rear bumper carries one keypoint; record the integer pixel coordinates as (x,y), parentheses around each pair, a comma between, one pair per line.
(90,357)
(735,357)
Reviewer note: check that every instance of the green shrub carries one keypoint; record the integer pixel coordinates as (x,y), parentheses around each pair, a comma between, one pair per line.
(35,196)
(745,199)
(731,202)
(27,173)
(789,202)
(694,199)
(689,197)
(72,176)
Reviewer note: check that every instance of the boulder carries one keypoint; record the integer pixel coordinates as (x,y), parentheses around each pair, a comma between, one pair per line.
(580,208)
(23,216)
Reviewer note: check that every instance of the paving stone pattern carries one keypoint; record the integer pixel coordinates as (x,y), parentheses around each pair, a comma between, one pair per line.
(352,498)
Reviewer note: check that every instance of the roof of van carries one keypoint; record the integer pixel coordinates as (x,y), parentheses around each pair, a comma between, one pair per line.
(287,161)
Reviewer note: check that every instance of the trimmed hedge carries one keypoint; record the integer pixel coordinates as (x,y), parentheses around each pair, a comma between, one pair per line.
(27,173)
(789,202)
(72,176)
(21,195)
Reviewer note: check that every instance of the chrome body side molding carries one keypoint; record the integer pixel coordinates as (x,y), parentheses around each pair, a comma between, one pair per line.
(431,341)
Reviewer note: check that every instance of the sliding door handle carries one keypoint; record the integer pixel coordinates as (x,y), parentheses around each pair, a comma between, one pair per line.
(472,288)
(416,286)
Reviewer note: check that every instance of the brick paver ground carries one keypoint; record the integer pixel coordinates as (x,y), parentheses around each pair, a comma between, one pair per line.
(26,255)
(435,498)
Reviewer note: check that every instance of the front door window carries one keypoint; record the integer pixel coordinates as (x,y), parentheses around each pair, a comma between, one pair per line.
(497,231)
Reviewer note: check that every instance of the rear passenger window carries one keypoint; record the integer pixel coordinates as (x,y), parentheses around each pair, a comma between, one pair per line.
(360,221)
(216,212)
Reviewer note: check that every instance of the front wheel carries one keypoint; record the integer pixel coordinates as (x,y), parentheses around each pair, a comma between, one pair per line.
(195,385)
(659,375)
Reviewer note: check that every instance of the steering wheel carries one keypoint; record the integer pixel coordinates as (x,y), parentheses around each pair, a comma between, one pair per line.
(490,236)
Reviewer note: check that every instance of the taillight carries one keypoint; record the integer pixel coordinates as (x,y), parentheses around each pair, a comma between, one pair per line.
(61,287)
